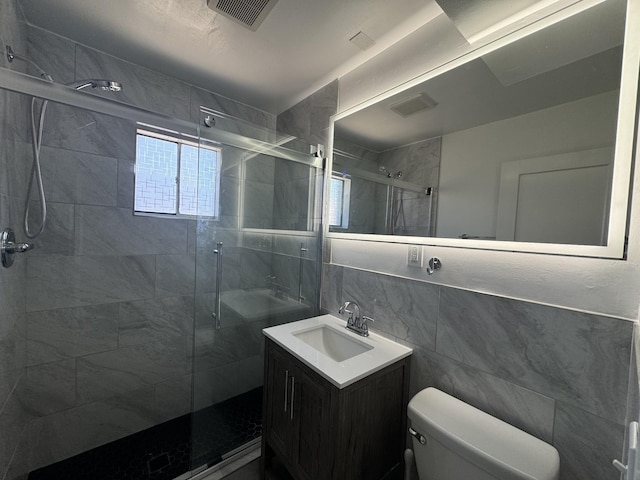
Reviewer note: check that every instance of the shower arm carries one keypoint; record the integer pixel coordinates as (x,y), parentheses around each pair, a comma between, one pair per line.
(11,56)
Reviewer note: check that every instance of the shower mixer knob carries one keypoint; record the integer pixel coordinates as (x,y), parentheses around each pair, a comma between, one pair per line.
(9,247)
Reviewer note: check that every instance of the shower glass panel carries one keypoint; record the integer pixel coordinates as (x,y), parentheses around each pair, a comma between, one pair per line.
(117,354)
(106,326)
(383,201)
(256,265)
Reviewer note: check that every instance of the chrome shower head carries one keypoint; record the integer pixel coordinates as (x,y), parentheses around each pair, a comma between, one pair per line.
(107,85)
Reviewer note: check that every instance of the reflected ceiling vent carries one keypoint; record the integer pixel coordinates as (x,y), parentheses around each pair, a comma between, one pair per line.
(413,105)
(249,13)
(362,41)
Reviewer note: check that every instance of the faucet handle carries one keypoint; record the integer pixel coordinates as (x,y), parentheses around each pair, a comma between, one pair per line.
(364,325)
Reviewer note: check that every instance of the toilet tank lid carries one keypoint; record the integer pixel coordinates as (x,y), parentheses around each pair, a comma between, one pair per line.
(493,445)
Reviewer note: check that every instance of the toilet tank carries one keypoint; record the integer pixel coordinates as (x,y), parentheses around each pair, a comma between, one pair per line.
(463,442)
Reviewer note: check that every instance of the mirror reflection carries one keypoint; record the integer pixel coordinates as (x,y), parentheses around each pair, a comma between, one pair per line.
(515,145)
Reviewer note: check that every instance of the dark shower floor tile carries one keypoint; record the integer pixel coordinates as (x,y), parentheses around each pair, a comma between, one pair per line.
(163,452)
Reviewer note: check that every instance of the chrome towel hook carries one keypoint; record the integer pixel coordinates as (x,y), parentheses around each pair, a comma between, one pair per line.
(434,264)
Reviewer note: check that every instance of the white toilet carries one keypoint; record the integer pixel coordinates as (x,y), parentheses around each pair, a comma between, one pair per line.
(455,441)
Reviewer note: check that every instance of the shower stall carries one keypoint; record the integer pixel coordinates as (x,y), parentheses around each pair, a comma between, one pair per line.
(172,238)
(393,192)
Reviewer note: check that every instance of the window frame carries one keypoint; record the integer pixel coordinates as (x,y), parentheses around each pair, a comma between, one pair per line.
(177,201)
(345,202)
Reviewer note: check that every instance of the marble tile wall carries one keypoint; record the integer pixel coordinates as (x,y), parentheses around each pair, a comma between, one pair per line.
(14,149)
(420,165)
(309,122)
(560,375)
(102,342)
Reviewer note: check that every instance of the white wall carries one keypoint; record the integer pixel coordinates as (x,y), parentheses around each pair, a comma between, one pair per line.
(471,159)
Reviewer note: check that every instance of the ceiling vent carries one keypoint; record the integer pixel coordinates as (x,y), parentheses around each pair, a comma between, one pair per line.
(362,41)
(249,13)
(413,105)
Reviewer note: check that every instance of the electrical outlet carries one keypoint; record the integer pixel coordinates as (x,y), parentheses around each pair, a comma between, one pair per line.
(414,256)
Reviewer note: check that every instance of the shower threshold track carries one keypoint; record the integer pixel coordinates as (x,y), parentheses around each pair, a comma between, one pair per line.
(168,450)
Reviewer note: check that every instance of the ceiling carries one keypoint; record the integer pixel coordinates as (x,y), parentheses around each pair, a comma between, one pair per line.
(301,45)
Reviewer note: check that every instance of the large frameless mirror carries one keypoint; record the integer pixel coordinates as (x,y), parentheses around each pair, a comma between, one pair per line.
(525,147)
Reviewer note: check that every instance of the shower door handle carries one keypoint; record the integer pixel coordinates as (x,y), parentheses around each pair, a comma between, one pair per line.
(216,314)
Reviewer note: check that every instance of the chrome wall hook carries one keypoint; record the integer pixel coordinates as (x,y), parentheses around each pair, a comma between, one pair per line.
(434,264)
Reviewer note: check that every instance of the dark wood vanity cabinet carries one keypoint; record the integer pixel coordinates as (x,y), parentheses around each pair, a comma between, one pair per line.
(312,430)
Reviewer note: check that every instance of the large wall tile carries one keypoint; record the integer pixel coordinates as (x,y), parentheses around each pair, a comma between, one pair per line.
(175,275)
(309,118)
(237,117)
(12,280)
(173,398)
(71,332)
(77,177)
(15,160)
(575,357)
(54,54)
(116,231)
(128,369)
(407,310)
(227,346)
(80,130)
(258,205)
(255,267)
(13,419)
(587,444)
(58,235)
(291,205)
(67,433)
(216,384)
(49,388)
(523,408)
(155,320)
(332,280)
(12,342)
(206,268)
(126,183)
(260,168)
(59,282)
(141,87)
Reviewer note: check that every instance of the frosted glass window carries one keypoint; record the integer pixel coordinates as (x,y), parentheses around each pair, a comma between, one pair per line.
(156,175)
(175,177)
(199,181)
(340,193)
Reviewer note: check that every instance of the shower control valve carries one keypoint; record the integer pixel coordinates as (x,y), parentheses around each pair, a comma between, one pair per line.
(9,247)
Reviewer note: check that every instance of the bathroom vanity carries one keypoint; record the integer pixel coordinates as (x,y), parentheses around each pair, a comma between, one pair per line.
(326,416)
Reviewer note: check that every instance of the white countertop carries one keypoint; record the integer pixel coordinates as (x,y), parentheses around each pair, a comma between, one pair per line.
(341,374)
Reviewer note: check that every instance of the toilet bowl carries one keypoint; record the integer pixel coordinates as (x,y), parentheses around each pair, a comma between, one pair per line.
(455,441)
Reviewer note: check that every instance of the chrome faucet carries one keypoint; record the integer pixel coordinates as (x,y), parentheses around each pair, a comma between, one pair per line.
(355,322)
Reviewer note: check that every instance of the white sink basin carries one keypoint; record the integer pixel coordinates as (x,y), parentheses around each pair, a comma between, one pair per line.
(333,343)
(339,355)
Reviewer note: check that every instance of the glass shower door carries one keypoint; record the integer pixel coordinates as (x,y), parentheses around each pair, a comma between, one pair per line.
(256,266)
(227,353)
